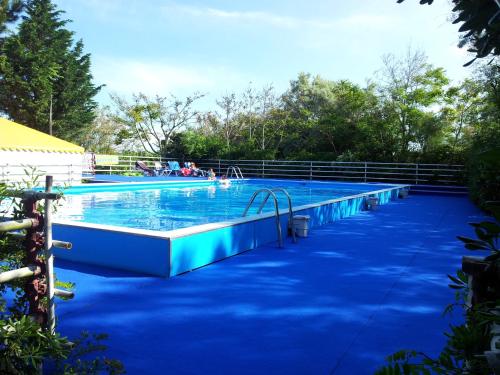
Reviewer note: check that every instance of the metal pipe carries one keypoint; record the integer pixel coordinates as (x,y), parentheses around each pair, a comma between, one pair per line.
(19,273)
(55,243)
(62,244)
(49,256)
(7,226)
(276,208)
(64,293)
(290,211)
(37,195)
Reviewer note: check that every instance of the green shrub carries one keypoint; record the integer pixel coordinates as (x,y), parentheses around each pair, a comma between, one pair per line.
(484,177)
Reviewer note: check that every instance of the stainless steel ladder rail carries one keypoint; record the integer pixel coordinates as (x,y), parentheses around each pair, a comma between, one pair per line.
(276,210)
(290,209)
(234,169)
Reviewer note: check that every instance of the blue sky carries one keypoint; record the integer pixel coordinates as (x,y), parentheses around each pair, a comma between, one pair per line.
(220,46)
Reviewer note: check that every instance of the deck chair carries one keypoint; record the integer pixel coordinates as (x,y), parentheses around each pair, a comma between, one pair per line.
(141,166)
(160,170)
(173,167)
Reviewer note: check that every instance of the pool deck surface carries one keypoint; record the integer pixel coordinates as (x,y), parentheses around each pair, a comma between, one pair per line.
(337,302)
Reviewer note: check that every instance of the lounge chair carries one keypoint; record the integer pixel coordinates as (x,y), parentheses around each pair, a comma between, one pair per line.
(173,167)
(141,166)
(197,172)
(160,170)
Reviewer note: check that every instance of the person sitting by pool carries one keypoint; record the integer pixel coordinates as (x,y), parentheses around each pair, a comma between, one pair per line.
(211,174)
(195,171)
(224,181)
(185,171)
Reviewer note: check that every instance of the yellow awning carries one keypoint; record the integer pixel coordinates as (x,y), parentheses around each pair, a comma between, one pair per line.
(17,137)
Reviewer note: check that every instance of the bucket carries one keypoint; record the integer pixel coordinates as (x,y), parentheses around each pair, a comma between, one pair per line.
(403,193)
(371,203)
(301,225)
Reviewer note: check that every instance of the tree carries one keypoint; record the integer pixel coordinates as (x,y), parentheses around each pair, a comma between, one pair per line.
(154,121)
(105,134)
(9,13)
(462,110)
(43,71)
(228,124)
(411,88)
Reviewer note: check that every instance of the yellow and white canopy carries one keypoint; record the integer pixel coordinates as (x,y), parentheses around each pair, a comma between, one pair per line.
(17,137)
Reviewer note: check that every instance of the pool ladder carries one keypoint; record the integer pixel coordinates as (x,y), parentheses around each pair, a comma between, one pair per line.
(234,169)
(272,193)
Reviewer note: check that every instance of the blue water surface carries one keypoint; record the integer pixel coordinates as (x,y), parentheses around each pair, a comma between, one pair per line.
(174,206)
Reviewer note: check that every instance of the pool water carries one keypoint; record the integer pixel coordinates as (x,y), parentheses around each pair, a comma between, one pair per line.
(160,207)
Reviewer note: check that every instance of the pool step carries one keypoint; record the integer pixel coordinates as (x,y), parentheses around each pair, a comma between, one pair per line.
(438,190)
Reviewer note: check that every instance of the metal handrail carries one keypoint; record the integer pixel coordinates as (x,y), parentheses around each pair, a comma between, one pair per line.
(234,169)
(290,209)
(276,210)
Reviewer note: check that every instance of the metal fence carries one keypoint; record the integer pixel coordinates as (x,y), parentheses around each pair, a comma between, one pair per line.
(418,174)
(410,173)
(124,164)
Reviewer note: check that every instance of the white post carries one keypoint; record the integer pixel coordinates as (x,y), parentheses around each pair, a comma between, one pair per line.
(49,257)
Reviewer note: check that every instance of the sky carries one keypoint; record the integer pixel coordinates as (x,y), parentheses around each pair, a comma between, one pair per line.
(221,46)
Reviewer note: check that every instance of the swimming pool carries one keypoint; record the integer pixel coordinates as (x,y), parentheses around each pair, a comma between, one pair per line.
(166,229)
(164,207)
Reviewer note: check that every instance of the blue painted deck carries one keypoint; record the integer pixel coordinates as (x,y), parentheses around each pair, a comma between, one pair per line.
(336,303)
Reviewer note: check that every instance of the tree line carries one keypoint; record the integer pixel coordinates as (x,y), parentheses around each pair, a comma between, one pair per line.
(408,112)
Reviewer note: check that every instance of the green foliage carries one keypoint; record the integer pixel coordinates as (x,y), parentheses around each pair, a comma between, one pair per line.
(153,122)
(104,134)
(411,89)
(40,65)
(484,177)
(25,346)
(9,13)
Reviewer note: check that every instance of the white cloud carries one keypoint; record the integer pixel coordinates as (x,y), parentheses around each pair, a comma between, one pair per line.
(248,16)
(280,21)
(372,21)
(126,76)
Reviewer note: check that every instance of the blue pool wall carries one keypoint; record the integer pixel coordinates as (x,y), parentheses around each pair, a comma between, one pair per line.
(170,253)
(119,249)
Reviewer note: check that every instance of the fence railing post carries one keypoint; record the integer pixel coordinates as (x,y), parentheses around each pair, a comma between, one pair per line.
(366,169)
(49,257)
(218,168)
(263,168)
(416,174)
(310,170)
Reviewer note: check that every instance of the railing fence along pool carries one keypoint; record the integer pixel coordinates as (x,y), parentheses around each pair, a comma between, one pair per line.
(407,173)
